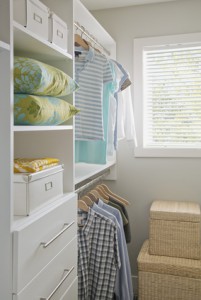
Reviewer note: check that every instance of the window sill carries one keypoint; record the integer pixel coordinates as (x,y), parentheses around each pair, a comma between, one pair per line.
(164,152)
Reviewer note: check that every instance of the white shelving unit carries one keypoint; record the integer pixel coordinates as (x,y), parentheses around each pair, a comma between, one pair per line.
(87,20)
(40,141)
(26,41)
(5,151)
(4,46)
(85,171)
(42,128)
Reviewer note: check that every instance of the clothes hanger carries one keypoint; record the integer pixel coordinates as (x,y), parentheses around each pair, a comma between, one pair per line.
(89,43)
(116,197)
(102,192)
(82,205)
(93,195)
(87,39)
(99,195)
(78,41)
(87,200)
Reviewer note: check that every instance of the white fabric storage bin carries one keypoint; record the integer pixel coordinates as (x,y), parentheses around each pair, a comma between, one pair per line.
(32,14)
(58,32)
(31,190)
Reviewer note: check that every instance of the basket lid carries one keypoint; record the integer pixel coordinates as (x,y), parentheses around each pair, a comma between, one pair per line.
(175,211)
(168,265)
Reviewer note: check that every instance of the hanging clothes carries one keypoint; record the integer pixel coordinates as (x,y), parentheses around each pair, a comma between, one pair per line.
(95,152)
(91,237)
(98,256)
(92,70)
(105,103)
(125,124)
(124,213)
(119,78)
(123,287)
(100,152)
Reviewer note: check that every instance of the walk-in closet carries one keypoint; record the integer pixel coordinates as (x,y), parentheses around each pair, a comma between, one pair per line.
(100,135)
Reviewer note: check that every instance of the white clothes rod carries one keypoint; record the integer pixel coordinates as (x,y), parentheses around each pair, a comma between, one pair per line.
(92,38)
(92,181)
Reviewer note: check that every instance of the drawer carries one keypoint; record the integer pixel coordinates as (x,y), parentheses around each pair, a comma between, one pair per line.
(35,189)
(58,31)
(37,241)
(56,279)
(72,291)
(33,14)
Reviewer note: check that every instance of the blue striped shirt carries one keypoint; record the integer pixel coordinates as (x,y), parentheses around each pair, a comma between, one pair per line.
(92,70)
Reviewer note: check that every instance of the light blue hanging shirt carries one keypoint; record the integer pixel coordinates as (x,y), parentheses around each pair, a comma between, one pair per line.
(123,286)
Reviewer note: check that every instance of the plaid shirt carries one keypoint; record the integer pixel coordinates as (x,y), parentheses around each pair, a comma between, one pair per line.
(98,257)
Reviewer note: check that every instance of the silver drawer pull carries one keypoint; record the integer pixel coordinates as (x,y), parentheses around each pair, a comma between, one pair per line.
(59,284)
(45,245)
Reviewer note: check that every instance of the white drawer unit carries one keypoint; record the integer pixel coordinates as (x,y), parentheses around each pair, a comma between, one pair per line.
(33,190)
(72,291)
(58,32)
(32,14)
(39,239)
(56,279)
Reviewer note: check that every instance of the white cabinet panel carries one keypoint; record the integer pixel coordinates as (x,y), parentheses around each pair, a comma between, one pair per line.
(37,243)
(55,279)
(72,292)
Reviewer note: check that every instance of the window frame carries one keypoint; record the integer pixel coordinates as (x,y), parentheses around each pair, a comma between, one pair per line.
(139,45)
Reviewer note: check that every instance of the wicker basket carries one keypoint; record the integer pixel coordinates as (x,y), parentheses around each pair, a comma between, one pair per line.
(174,229)
(167,278)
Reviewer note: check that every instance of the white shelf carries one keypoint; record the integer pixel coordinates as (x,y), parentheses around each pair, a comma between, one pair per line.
(42,128)
(20,221)
(85,171)
(4,46)
(86,19)
(83,16)
(25,41)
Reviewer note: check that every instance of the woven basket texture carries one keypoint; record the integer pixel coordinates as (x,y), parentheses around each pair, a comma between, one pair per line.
(174,238)
(168,265)
(174,229)
(176,211)
(167,278)
(153,286)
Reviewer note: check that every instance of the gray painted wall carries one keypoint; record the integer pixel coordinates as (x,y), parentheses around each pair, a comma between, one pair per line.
(142,180)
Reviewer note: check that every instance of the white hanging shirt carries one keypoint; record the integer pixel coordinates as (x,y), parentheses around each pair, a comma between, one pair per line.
(126,124)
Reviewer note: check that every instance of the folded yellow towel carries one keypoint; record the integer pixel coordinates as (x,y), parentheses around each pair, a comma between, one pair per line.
(32,165)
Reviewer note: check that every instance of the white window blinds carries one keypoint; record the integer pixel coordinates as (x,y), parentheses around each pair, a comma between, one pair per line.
(172,97)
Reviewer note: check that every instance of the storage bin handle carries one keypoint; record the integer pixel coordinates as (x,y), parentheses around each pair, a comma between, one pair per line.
(59,284)
(45,245)
(60,34)
(38,18)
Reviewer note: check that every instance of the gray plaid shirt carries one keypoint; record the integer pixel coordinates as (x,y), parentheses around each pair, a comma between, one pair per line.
(98,257)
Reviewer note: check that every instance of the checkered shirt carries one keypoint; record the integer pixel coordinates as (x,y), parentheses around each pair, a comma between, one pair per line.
(98,257)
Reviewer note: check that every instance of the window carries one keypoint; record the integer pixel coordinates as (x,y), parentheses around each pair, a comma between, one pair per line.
(167,95)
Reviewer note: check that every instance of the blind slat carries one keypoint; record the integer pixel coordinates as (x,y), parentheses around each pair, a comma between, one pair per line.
(173,97)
